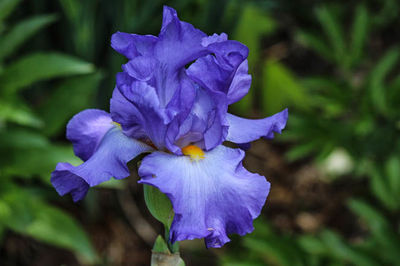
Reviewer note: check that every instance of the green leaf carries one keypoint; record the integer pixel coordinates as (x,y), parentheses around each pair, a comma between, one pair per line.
(275,250)
(313,41)
(377,78)
(21,32)
(281,89)
(333,31)
(160,246)
(380,228)
(393,95)
(30,216)
(80,94)
(253,25)
(5,211)
(83,21)
(379,187)
(359,34)
(39,161)
(387,13)
(392,170)
(302,150)
(41,66)
(159,205)
(341,250)
(22,139)
(71,8)
(17,112)
(373,218)
(6,7)
(313,245)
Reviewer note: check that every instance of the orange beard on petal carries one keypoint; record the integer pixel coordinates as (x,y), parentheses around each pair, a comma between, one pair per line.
(194,152)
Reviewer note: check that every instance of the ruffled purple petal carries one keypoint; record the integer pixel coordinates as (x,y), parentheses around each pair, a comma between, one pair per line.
(225,71)
(146,111)
(86,129)
(137,107)
(209,75)
(240,84)
(218,124)
(125,113)
(141,67)
(179,107)
(179,42)
(206,41)
(65,181)
(229,54)
(243,130)
(162,101)
(217,132)
(206,125)
(132,45)
(212,197)
(109,160)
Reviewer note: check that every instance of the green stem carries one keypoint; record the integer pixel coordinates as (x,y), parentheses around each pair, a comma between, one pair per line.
(174,248)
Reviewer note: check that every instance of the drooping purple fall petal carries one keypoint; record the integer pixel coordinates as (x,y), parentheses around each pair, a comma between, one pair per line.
(211,197)
(108,159)
(86,129)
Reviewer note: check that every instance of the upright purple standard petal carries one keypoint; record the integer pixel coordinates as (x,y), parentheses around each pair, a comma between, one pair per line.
(211,197)
(243,130)
(222,73)
(240,84)
(206,125)
(132,45)
(123,112)
(108,160)
(145,111)
(179,42)
(161,101)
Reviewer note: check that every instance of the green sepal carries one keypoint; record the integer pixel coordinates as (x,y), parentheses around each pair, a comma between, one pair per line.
(160,246)
(161,254)
(159,205)
(174,248)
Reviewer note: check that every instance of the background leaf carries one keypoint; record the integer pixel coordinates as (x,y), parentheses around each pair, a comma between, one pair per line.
(359,33)
(377,77)
(41,66)
(6,7)
(79,91)
(333,31)
(39,161)
(11,41)
(30,216)
(253,25)
(18,113)
(281,89)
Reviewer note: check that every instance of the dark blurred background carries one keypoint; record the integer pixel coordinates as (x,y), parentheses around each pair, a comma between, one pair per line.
(335,171)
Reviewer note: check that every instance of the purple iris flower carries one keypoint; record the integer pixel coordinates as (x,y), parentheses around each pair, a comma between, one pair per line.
(171,101)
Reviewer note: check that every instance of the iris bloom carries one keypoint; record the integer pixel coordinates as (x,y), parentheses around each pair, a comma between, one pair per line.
(171,101)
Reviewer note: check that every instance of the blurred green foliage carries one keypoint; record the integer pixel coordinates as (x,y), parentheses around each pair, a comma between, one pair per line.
(344,97)
(267,247)
(354,108)
(27,153)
